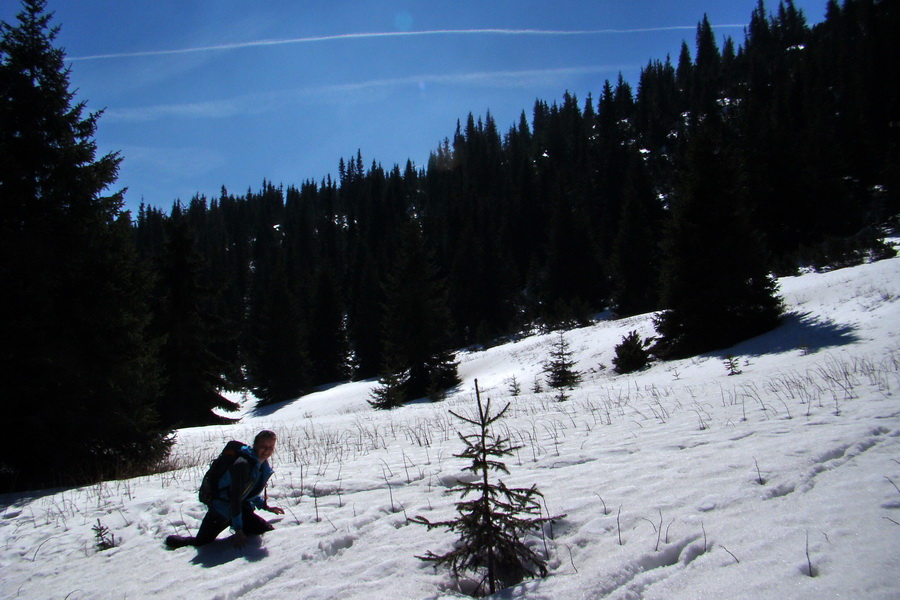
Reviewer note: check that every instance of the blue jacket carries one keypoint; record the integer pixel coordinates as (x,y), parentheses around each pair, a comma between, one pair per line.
(241,487)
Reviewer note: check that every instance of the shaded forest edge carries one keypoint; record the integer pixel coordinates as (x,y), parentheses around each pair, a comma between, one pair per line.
(731,163)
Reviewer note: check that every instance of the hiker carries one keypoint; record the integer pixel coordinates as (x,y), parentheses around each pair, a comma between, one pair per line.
(236,497)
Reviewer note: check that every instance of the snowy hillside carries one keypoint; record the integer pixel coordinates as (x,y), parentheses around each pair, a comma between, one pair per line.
(678,482)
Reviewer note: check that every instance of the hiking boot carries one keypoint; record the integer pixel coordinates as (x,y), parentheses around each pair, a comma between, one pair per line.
(179,541)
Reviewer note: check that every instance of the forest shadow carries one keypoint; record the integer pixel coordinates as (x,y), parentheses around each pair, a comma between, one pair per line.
(799,331)
(267,410)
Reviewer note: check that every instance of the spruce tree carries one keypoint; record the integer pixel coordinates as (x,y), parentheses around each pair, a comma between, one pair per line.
(194,374)
(417,324)
(364,315)
(632,354)
(78,369)
(493,526)
(634,264)
(278,363)
(572,279)
(716,288)
(560,369)
(707,74)
(391,389)
(328,343)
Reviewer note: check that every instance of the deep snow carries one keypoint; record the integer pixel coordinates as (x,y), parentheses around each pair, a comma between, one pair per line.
(718,486)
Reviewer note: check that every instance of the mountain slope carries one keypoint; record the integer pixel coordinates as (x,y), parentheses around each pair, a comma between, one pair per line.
(678,482)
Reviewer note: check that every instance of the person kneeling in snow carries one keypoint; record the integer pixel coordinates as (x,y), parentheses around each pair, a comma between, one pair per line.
(237,496)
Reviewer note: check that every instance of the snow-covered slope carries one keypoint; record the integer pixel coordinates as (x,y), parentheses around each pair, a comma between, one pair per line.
(677,482)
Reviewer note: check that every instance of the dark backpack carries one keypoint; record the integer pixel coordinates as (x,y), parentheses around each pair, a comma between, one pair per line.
(209,487)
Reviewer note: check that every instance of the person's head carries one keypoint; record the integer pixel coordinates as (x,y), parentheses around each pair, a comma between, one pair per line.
(264,444)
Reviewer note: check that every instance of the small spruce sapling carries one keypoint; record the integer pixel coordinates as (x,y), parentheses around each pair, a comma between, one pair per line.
(104,538)
(632,354)
(390,392)
(560,369)
(515,388)
(732,364)
(492,527)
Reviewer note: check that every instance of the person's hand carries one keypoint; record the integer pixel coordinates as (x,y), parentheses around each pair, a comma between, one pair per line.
(239,538)
(275,509)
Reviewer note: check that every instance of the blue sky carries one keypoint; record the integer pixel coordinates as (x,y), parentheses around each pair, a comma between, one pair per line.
(204,93)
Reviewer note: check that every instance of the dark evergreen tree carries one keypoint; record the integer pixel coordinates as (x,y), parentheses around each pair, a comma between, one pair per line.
(364,315)
(570,282)
(193,374)
(707,84)
(278,363)
(492,527)
(632,354)
(150,232)
(635,261)
(483,290)
(660,129)
(657,107)
(417,322)
(524,217)
(376,207)
(79,371)
(560,369)
(716,288)
(391,389)
(771,123)
(684,74)
(329,347)
(614,138)
(468,199)
(571,276)
(222,255)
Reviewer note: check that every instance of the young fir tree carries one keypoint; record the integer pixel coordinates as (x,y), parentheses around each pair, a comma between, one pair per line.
(78,369)
(560,369)
(493,526)
(391,389)
(632,354)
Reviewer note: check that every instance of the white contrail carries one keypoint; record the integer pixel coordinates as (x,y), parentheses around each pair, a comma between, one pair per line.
(264,102)
(373,35)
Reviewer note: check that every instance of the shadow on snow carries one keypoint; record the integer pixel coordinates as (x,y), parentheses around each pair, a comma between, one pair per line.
(798,331)
(223,551)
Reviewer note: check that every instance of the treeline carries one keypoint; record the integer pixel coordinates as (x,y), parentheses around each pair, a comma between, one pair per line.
(684,194)
(556,218)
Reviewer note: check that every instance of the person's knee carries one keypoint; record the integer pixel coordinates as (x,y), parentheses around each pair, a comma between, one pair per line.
(254,524)
(213,524)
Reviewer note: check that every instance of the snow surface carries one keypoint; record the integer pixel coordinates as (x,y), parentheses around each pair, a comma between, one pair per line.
(678,482)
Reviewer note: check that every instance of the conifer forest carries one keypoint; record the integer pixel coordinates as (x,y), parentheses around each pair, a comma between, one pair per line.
(685,192)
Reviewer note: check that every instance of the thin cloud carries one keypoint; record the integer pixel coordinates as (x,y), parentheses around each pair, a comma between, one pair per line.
(265,102)
(216,109)
(523,78)
(393,34)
